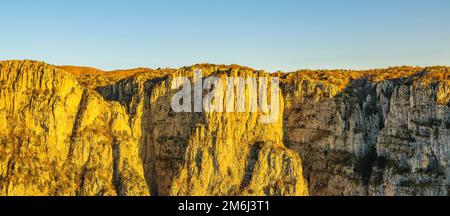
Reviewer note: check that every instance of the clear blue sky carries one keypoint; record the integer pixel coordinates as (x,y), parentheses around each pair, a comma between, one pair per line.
(271,35)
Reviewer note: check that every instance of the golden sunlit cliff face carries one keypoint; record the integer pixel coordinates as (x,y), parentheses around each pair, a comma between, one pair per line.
(59,138)
(67,130)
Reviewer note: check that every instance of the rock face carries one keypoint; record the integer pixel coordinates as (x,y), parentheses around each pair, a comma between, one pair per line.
(206,153)
(81,131)
(385,137)
(58,138)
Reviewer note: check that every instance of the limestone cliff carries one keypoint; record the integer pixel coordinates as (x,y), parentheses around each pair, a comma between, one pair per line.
(206,153)
(104,143)
(81,131)
(58,138)
(376,133)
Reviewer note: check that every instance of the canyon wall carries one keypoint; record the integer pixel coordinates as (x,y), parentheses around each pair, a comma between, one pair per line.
(59,138)
(373,137)
(80,131)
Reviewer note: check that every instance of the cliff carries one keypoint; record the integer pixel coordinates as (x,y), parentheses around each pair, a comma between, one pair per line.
(381,132)
(81,131)
(59,138)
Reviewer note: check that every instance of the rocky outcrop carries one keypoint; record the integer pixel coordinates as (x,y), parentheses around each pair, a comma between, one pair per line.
(81,131)
(206,153)
(384,137)
(111,122)
(58,138)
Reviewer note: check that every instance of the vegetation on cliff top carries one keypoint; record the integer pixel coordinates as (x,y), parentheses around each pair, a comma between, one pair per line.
(339,78)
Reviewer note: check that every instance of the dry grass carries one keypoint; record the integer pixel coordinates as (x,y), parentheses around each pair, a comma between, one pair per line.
(341,78)
(93,77)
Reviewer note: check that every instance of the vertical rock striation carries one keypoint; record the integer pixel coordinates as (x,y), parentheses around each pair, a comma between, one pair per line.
(81,131)
(58,138)
(373,137)
(207,153)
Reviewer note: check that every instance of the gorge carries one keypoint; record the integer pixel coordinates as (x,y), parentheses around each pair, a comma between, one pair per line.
(78,131)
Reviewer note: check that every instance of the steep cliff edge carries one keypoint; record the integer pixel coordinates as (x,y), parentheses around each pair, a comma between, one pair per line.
(59,138)
(81,131)
(98,140)
(206,153)
(380,133)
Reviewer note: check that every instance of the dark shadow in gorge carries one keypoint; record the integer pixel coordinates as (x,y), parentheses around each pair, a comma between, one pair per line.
(323,132)
(251,162)
(310,126)
(162,143)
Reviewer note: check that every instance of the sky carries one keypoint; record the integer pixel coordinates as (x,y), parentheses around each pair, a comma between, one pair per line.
(268,35)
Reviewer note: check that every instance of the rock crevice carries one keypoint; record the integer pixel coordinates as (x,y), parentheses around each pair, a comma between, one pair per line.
(80,131)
